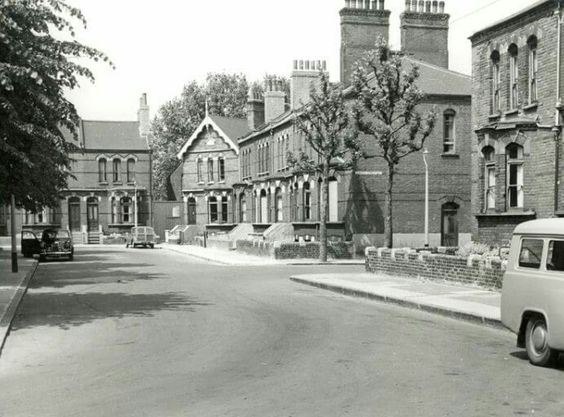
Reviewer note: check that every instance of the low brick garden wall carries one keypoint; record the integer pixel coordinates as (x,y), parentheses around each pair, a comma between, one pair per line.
(255,247)
(473,270)
(294,250)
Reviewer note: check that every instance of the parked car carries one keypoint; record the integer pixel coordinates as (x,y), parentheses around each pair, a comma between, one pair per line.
(54,243)
(533,289)
(142,236)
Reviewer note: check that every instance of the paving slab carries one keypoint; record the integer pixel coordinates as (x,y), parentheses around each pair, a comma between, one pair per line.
(13,287)
(458,301)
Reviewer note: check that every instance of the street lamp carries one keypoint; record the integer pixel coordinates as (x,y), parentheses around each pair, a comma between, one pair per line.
(425,152)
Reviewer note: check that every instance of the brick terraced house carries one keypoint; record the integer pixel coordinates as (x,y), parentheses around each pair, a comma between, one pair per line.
(113,167)
(517,168)
(276,203)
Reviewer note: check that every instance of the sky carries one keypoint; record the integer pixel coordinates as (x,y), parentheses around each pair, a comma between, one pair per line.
(160,46)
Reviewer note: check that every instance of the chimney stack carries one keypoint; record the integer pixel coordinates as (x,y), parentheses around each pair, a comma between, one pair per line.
(424,31)
(274,99)
(361,22)
(304,76)
(143,116)
(255,109)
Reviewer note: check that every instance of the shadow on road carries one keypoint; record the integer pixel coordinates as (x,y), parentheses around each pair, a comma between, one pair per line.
(65,310)
(522,354)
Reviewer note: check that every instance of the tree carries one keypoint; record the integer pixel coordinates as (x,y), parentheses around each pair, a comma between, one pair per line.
(177,119)
(35,68)
(325,124)
(386,109)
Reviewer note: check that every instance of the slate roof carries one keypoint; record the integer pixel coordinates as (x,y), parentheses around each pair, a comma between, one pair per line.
(110,135)
(232,127)
(434,80)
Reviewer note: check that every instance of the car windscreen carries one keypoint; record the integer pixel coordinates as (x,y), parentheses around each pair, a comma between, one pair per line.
(531,253)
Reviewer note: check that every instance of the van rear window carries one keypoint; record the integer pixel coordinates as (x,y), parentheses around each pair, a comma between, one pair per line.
(530,253)
(555,258)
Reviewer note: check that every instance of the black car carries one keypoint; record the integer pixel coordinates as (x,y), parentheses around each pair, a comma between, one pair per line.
(54,243)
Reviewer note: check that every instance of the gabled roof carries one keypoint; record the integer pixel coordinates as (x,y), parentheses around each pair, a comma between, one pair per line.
(435,80)
(114,135)
(274,123)
(229,129)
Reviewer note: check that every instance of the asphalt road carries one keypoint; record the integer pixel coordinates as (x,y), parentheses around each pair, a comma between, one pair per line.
(152,333)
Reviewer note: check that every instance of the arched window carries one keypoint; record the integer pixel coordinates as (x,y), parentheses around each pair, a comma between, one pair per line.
(224,209)
(496,82)
(307,201)
(242,208)
(221,169)
(514,162)
(513,76)
(117,170)
(126,210)
(210,170)
(212,209)
(130,170)
(102,170)
(489,178)
(199,168)
(263,204)
(449,131)
(533,68)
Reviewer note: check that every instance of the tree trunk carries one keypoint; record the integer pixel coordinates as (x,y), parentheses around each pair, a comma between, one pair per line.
(388,223)
(323,214)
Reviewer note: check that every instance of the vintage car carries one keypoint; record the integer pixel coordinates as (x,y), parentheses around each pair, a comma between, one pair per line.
(142,236)
(54,243)
(533,286)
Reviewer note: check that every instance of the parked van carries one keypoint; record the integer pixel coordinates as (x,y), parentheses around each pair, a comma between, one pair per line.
(532,299)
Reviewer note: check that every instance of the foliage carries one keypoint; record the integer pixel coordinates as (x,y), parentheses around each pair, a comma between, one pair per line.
(482,249)
(326,126)
(386,109)
(35,68)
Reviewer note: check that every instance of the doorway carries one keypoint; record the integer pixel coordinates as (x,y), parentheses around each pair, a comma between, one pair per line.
(92,214)
(191,210)
(449,224)
(74,214)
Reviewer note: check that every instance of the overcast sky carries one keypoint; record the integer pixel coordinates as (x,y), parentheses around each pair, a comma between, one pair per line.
(159,46)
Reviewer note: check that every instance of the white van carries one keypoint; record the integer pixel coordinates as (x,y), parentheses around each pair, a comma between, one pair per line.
(532,299)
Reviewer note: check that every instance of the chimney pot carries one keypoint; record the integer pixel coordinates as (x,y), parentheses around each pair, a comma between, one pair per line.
(427,6)
(348,4)
(435,6)
(301,64)
(353,4)
(413,5)
(295,64)
(324,65)
(441,7)
(408,5)
(421,8)
(367,4)
(381,3)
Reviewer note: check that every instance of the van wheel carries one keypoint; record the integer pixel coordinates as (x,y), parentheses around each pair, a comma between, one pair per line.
(536,342)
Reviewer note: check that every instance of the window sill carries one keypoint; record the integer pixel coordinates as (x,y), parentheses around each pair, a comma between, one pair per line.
(103,183)
(117,183)
(450,155)
(512,213)
(494,116)
(131,183)
(532,106)
(511,112)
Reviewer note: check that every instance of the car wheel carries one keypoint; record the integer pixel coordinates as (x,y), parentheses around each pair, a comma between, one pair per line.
(536,342)
(71,256)
(126,245)
(152,246)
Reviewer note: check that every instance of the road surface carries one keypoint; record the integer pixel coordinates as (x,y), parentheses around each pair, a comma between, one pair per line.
(143,332)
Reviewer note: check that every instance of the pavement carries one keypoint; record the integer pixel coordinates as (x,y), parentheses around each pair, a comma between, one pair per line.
(13,287)
(458,301)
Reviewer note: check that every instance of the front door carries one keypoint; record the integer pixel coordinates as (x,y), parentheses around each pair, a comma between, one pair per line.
(92,214)
(74,215)
(191,211)
(449,229)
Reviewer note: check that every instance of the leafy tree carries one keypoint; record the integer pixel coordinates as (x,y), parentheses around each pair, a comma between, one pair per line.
(177,119)
(386,109)
(35,68)
(327,128)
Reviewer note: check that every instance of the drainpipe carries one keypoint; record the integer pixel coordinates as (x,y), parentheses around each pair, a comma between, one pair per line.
(557,125)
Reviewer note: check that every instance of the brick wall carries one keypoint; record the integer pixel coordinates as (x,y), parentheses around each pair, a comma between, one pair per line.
(255,247)
(294,250)
(472,270)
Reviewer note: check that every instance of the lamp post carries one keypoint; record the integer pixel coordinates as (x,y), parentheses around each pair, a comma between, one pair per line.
(425,152)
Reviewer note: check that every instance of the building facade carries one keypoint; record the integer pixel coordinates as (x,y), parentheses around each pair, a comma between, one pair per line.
(516,155)
(110,191)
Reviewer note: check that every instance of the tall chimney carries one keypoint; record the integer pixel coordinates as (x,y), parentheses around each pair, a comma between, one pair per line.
(361,23)
(304,76)
(143,116)
(424,32)
(255,110)
(274,99)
